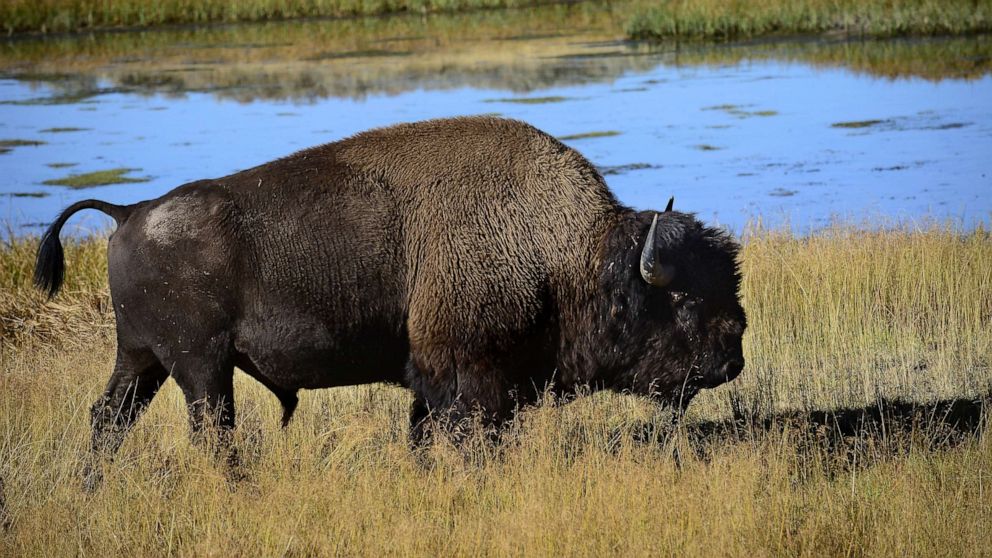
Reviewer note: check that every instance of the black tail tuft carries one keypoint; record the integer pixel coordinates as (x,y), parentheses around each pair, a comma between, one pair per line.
(49,269)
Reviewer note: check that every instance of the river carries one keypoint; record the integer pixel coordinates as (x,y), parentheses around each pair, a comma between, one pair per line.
(792,132)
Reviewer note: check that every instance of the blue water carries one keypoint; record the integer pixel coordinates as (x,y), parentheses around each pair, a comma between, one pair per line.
(930,157)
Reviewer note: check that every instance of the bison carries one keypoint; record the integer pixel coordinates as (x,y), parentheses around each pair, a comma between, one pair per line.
(475,261)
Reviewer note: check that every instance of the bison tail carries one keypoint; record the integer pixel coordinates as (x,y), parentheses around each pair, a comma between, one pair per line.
(49,269)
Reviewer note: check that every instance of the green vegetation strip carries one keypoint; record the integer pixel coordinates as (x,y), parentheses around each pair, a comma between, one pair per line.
(72,15)
(738,111)
(587,135)
(20,143)
(97,178)
(874,18)
(528,100)
(6,146)
(644,20)
(29,194)
(857,124)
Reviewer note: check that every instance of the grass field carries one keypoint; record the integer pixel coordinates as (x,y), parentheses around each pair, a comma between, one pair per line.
(71,15)
(841,319)
(646,19)
(721,19)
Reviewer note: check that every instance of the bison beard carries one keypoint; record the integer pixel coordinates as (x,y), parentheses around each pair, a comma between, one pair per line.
(476,261)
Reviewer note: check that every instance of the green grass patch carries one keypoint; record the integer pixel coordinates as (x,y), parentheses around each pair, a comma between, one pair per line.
(63,130)
(529,100)
(707,147)
(28,194)
(622,169)
(739,112)
(6,146)
(725,107)
(60,165)
(857,124)
(20,143)
(97,178)
(587,135)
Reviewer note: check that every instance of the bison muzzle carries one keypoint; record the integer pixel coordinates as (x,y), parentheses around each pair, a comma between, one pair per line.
(478,262)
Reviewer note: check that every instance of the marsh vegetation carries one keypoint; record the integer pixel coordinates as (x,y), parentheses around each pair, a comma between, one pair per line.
(732,20)
(490,49)
(641,19)
(73,15)
(858,427)
(97,178)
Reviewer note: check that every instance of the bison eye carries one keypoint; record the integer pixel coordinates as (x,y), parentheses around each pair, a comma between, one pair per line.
(681,300)
(687,309)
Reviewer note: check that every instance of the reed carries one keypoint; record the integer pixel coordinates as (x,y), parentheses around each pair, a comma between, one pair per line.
(749,18)
(47,16)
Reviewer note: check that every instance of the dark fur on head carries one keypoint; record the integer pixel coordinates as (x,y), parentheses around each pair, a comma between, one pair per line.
(666,342)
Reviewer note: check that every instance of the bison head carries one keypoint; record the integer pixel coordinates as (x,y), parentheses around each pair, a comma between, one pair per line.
(676,326)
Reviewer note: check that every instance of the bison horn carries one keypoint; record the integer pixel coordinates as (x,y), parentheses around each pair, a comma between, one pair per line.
(671,202)
(652,270)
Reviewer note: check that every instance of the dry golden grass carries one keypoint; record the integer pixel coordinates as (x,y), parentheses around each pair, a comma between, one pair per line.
(840,318)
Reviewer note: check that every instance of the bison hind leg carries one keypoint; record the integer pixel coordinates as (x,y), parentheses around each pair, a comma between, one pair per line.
(136,379)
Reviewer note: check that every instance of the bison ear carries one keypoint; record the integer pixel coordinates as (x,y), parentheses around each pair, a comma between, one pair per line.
(653,270)
(671,202)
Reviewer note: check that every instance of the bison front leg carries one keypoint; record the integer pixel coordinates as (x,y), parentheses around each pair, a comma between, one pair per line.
(432,395)
(456,402)
(482,405)
(420,423)
(135,381)
(483,400)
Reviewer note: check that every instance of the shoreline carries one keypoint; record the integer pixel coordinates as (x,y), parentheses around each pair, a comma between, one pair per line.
(708,20)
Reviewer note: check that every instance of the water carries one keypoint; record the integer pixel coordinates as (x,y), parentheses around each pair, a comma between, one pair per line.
(800,133)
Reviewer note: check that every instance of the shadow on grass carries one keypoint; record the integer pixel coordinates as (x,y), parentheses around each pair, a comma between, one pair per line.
(845,438)
(947,421)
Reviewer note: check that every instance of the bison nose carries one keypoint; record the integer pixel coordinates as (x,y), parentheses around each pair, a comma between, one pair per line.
(733,368)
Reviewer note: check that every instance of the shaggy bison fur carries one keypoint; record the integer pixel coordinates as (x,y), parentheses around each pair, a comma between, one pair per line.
(476,261)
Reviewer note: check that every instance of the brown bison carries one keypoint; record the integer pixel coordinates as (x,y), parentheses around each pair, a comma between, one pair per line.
(476,261)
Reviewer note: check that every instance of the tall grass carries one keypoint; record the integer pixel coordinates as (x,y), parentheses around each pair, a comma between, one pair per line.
(671,18)
(844,317)
(80,315)
(749,18)
(71,15)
